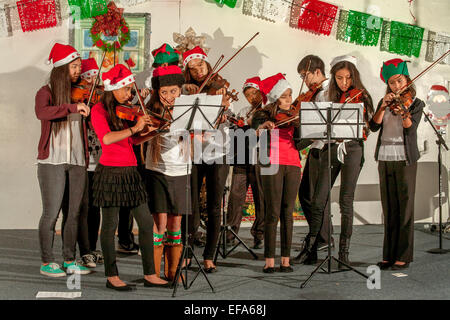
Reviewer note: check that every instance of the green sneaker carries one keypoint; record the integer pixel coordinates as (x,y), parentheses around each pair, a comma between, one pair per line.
(75,268)
(52,270)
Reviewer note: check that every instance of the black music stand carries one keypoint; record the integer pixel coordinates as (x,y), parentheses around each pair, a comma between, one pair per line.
(440,142)
(322,128)
(224,228)
(187,249)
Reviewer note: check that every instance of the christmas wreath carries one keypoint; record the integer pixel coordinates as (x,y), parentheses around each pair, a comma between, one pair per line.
(110,24)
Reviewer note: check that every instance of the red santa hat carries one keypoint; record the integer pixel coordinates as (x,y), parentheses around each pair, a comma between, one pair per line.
(273,87)
(254,82)
(89,68)
(167,76)
(62,54)
(196,53)
(118,77)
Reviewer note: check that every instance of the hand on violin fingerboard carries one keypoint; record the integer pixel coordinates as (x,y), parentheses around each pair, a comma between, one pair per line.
(191,88)
(145,92)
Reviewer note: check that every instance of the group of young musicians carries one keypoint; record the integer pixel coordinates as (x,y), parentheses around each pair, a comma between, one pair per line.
(151,182)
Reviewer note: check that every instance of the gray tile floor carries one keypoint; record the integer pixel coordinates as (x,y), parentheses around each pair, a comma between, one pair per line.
(239,276)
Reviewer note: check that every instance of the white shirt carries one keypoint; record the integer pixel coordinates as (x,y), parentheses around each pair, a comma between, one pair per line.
(392,147)
(322,96)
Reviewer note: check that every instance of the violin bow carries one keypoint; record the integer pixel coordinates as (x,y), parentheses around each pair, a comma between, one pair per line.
(96,80)
(210,74)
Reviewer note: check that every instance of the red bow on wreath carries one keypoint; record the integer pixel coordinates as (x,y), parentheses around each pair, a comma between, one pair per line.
(110,21)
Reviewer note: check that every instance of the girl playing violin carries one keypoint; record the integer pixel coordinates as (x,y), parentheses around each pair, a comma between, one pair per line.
(279,189)
(211,166)
(347,158)
(397,154)
(312,70)
(117,183)
(62,159)
(167,164)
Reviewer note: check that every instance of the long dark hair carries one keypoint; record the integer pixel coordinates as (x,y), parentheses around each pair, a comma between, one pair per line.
(110,103)
(335,93)
(60,85)
(155,105)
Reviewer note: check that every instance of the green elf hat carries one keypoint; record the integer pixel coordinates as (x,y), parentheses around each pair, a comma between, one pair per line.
(393,67)
(165,54)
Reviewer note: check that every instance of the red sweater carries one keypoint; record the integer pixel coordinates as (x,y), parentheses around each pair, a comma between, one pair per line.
(48,113)
(283,150)
(119,154)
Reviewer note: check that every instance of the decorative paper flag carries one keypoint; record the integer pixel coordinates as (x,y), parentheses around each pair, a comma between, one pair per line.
(317,16)
(295,13)
(405,39)
(230,3)
(342,25)
(438,44)
(83,9)
(36,14)
(385,36)
(4,22)
(272,10)
(363,28)
(130,3)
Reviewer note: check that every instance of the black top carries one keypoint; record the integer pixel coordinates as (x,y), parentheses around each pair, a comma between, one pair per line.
(409,134)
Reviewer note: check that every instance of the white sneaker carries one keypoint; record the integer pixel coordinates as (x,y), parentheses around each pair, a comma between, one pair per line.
(88,260)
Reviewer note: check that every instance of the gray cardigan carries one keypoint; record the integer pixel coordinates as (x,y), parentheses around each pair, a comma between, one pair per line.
(409,134)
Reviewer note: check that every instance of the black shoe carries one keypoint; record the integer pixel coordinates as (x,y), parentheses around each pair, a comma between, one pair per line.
(269,270)
(286,269)
(384,265)
(131,248)
(126,287)
(309,253)
(400,267)
(210,270)
(324,246)
(148,284)
(344,258)
(258,244)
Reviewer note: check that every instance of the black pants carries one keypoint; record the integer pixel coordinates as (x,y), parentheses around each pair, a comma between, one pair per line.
(280,192)
(398,186)
(306,191)
(216,176)
(349,170)
(243,176)
(109,225)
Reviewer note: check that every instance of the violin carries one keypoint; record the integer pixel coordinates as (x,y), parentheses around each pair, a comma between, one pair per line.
(353,95)
(309,95)
(403,100)
(238,121)
(133,113)
(216,83)
(80,93)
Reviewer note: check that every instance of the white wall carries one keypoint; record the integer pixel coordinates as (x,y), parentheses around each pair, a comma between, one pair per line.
(278,48)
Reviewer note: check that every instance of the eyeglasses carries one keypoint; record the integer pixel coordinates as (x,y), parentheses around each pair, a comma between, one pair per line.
(303,75)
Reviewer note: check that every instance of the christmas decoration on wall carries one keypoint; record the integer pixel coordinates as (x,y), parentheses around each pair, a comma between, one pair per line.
(189,41)
(358,27)
(110,32)
(36,14)
(5,25)
(317,16)
(131,3)
(401,38)
(295,13)
(229,3)
(272,10)
(438,44)
(84,9)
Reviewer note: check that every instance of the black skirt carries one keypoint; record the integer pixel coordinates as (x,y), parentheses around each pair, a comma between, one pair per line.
(118,187)
(167,194)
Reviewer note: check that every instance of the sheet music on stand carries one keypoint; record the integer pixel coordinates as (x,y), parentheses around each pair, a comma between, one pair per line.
(347,120)
(206,114)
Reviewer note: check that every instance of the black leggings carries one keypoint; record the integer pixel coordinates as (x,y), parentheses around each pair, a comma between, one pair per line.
(280,192)
(216,177)
(349,170)
(109,225)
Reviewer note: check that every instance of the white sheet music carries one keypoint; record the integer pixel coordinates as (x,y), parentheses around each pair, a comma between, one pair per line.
(313,125)
(181,115)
